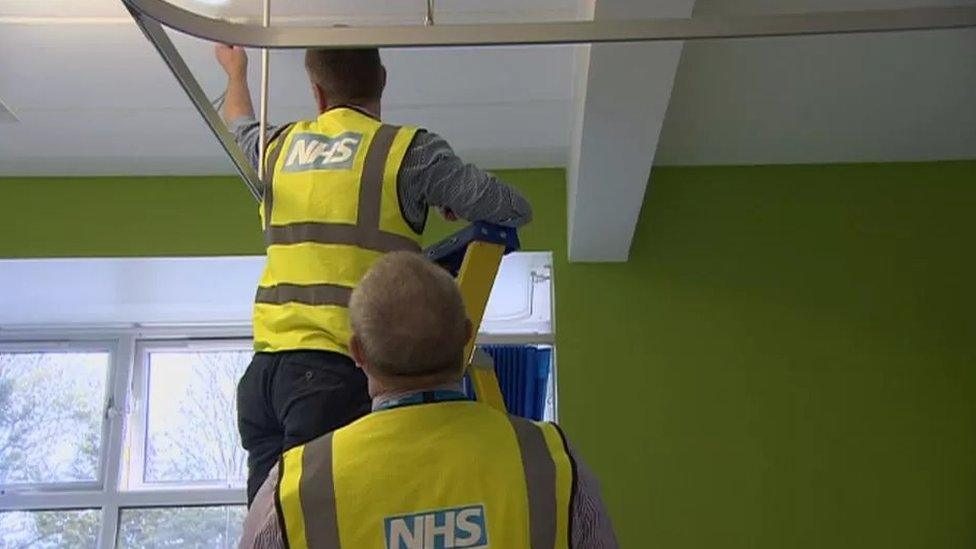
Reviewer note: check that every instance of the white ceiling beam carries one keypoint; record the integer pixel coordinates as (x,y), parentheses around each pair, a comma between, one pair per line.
(621,96)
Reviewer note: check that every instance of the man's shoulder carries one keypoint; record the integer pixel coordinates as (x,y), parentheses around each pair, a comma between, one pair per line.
(284,129)
(428,144)
(424,135)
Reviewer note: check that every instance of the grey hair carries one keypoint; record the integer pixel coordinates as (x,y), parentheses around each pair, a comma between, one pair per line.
(409,318)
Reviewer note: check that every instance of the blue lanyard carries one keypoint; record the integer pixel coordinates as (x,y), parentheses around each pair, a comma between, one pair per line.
(424,397)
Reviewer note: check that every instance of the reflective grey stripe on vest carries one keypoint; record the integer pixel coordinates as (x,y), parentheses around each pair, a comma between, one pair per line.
(312,294)
(338,233)
(540,482)
(371,183)
(317,488)
(317,492)
(269,167)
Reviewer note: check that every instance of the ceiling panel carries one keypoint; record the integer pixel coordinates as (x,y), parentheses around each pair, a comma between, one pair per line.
(176,141)
(62,8)
(460,76)
(76,67)
(93,97)
(43,137)
(93,66)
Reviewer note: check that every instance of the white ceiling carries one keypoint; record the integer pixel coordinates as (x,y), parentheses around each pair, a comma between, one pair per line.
(847,98)
(92,97)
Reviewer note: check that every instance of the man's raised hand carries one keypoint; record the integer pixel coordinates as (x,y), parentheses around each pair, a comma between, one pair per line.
(233,59)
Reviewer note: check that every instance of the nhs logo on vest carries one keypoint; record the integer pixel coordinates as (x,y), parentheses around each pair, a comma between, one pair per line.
(439,529)
(313,151)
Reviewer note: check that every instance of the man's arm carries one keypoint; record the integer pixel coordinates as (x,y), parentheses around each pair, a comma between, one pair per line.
(592,528)
(238,111)
(237,99)
(246,131)
(261,530)
(432,175)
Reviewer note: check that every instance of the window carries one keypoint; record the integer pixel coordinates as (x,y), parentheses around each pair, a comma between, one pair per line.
(44,529)
(50,414)
(186,432)
(211,527)
(127,441)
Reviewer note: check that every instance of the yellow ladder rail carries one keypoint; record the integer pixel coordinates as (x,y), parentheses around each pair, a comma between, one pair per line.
(483,246)
(475,280)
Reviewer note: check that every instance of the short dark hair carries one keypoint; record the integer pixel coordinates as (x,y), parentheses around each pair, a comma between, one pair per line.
(347,75)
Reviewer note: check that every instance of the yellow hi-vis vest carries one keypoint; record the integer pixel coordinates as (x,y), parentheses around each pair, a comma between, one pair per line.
(442,475)
(329,211)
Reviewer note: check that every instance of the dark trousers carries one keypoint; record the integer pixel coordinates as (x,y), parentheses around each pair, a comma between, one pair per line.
(288,398)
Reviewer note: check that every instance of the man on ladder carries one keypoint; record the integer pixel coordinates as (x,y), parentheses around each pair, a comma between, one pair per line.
(339,191)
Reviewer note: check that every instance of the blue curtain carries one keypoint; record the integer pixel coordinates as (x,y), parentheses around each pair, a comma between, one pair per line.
(523,375)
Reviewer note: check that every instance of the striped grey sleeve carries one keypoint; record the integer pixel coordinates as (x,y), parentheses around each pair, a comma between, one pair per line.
(591,526)
(246,131)
(261,530)
(433,176)
(270,537)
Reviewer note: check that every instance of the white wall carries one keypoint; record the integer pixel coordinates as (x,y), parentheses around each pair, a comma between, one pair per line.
(211,290)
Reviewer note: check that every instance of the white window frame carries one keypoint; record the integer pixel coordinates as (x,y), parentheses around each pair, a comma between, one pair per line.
(105,494)
(139,410)
(102,346)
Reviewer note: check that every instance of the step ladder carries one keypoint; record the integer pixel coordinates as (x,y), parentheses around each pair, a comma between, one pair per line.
(473,255)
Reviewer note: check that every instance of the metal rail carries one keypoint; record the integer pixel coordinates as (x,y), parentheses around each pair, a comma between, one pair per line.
(571,32)
(158,37)
(263,120)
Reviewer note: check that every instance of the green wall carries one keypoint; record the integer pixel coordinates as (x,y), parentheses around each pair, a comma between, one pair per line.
(788,359)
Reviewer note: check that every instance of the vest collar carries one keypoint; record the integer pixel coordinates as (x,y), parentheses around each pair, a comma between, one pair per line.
(356,108)
(441,393)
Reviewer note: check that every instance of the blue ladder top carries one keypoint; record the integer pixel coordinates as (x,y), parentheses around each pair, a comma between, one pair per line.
(449,253)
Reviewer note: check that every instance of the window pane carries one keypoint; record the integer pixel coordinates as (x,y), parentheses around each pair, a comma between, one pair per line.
(51,415)
(210,527)
(44,529)
(192,417)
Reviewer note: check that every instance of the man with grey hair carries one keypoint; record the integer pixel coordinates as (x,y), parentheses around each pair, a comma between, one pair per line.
(428,467)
